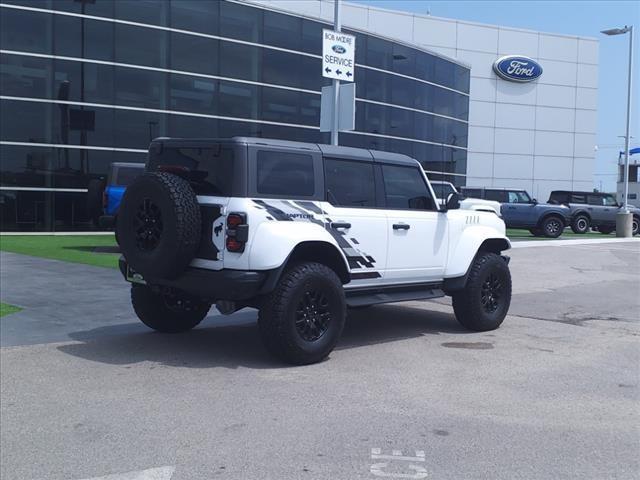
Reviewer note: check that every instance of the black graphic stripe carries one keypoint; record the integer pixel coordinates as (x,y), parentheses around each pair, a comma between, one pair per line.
(274,211)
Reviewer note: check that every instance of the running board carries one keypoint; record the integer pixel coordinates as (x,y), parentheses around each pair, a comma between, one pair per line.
(371,296)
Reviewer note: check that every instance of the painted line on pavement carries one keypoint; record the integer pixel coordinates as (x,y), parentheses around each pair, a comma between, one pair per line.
(159,473)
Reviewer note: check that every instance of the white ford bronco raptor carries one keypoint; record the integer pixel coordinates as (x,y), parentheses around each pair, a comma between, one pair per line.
(302,232)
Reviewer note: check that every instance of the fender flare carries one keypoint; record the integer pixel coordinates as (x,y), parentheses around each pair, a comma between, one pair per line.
(301,252)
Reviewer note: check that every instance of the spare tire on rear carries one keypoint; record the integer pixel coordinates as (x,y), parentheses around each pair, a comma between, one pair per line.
(159,225)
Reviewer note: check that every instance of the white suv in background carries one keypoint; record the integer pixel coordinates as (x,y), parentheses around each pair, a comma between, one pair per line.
(444,189)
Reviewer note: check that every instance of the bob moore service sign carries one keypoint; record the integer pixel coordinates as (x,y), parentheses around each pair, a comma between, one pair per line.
(338,55)
(517,68)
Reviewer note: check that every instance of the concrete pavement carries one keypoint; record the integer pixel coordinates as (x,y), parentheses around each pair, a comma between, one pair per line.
(87,391)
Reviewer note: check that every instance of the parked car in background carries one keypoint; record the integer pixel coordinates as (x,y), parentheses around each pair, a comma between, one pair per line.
(104,196)
(444,189)
(595,210)
(519,210)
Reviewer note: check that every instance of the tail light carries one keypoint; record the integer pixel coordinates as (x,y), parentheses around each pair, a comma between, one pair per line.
(237,232)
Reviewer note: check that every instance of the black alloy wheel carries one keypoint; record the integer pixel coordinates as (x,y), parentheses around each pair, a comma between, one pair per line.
(491,293)
(148,225)
(552,227)
(580,224)
(313,316)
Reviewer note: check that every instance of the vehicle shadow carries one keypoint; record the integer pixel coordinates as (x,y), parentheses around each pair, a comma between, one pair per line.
(233,346)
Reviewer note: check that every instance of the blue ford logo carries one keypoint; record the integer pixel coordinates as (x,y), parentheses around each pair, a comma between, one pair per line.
(517,68)
(338,49)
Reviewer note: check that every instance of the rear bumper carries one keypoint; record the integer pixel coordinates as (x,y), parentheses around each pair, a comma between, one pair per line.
(213,285)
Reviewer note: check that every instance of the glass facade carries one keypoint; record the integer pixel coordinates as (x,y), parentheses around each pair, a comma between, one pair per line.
(82,86)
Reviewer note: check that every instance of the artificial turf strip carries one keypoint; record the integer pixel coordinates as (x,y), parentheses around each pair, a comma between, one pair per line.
(518,234)
(6,309)
(72,248)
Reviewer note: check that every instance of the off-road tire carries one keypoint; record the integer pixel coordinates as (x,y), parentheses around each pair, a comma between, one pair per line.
(552,226)
(163,313)
(159,225)
(606,230)
(280,321)
(95,191)
(580,224)
(468,304)
(635,225)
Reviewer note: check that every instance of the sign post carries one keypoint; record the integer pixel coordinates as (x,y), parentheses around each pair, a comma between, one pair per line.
(338,63)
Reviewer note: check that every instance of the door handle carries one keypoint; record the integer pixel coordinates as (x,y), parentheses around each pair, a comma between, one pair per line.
(401,226)
(337,225)
(512,208)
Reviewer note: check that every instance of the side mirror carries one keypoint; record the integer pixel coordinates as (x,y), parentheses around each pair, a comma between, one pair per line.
(453,201)
(534,201)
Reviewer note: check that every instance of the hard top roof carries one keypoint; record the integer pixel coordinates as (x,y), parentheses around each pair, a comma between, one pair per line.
(580,192)
(351,153)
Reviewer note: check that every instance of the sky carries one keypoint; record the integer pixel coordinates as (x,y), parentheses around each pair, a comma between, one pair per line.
(584,18)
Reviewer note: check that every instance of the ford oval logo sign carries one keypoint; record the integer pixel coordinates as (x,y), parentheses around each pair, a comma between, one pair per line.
(338,49)
(517,68)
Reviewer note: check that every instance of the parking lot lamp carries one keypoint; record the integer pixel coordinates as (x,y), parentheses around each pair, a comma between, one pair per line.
(623,220)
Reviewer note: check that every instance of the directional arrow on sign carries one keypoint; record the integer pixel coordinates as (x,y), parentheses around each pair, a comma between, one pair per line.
(327,70)
(349,74)
(161,473)
(339,72)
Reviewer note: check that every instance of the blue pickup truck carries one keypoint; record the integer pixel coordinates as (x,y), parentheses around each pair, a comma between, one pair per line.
(104,197)
(519,210)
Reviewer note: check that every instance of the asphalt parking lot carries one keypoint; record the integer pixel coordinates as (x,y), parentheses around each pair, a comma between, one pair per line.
(88,391)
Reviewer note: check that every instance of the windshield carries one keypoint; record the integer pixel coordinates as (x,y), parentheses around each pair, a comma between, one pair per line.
(443,190)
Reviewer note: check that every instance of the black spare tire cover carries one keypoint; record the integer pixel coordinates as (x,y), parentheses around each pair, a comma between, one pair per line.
(159,225)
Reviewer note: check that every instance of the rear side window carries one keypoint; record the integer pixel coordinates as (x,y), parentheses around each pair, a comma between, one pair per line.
(285,174)
(496,195)
(405,189)
(472,192)
(578,198)
(209,170)
(126,175)
(349,184)
(558,197)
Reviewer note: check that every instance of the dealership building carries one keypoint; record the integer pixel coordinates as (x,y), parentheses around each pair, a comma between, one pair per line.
(87,83)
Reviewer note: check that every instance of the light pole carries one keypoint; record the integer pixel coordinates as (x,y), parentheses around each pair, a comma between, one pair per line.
(623,219)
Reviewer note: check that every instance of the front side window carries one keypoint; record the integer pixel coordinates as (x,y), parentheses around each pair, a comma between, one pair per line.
(443,190)
(595,200)
(349,184)
(519,196)
(609,201)
(285,174)
(405,189)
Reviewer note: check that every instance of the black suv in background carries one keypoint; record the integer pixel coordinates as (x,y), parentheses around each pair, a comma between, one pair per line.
(595,210)
(519,210)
